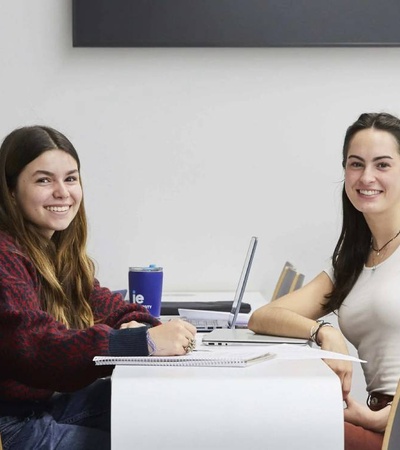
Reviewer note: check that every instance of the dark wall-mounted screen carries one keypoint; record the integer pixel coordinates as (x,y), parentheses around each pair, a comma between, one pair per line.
(236,23)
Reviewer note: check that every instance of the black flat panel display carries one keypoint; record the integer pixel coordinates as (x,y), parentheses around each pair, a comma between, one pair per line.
(236,23)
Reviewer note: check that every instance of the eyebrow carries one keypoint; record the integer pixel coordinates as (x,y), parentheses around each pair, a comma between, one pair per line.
(46,172)
(374,159)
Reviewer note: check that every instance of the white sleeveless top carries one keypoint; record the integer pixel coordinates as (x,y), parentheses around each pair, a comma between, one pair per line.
(369,318)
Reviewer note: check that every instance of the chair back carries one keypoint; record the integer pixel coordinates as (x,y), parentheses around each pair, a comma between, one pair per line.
(289,280)
(391,439)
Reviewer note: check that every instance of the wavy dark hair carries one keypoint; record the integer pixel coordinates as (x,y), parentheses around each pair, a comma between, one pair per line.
(352,249)
(65,271)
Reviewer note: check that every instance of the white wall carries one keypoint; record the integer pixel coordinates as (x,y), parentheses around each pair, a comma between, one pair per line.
(186,153)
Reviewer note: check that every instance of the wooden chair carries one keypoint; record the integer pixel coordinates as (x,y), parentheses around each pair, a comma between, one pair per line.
(289,280)
(1,445)
(391,439)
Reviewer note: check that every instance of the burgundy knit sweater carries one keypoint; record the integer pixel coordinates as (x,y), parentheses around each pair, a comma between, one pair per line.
(39,355)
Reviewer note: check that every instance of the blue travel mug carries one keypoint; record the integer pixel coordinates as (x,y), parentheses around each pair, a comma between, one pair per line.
(145,287)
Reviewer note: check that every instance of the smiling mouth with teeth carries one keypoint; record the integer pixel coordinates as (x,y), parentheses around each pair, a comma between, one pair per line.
(368,192)
(57,208)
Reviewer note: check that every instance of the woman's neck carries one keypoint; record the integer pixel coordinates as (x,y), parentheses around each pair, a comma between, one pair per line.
(385,238)
(383,229)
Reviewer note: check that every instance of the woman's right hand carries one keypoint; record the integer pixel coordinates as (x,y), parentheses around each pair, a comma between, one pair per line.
(362,416)
(331,339)
(172,338)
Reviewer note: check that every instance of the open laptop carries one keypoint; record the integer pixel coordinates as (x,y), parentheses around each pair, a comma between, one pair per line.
(231,318)
(231,335)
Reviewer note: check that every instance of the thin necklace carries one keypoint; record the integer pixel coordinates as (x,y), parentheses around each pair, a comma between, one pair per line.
(378,250)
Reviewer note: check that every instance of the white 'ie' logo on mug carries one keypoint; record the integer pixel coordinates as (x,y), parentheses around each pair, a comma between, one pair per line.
(138,299)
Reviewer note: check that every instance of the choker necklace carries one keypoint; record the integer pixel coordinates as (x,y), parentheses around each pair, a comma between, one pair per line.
(378,250)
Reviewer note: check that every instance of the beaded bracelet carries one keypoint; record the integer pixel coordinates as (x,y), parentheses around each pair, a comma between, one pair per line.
(315,330)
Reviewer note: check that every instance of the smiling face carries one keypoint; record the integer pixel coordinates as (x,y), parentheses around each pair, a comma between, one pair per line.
(372,172)
(48,191)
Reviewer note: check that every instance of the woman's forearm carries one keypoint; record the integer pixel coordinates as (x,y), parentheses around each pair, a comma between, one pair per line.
(360,415)
(378,420)
(295,314)
(280,322)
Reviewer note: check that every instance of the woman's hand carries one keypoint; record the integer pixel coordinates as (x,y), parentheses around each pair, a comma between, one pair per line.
(362,416)
(170,338)
(173,337)
(331,339)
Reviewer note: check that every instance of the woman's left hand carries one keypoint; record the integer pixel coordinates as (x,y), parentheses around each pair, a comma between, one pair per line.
(361,415)
(332,340)
(171,338)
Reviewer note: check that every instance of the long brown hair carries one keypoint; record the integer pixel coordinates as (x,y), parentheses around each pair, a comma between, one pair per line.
(352,249)
(66,273)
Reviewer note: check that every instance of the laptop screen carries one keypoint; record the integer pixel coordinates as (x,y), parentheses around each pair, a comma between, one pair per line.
(242,283)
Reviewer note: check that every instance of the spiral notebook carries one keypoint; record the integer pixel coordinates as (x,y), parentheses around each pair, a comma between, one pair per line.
(198,358)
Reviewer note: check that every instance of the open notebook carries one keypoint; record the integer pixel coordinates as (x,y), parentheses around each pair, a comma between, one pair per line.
(199,358)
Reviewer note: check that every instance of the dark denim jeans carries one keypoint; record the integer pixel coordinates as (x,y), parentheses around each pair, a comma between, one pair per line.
(76,421)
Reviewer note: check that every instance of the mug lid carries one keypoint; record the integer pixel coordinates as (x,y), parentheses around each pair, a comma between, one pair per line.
(150,268)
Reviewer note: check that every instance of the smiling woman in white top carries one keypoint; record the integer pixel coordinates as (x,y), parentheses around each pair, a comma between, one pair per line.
(363,283)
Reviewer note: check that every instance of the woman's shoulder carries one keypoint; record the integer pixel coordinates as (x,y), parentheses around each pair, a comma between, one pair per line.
(8,244)
(6,240)
(13,260)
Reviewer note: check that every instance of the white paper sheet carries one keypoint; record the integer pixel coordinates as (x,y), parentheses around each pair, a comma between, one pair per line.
(288,351)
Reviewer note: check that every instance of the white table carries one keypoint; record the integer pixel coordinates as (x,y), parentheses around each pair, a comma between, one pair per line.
(274,405)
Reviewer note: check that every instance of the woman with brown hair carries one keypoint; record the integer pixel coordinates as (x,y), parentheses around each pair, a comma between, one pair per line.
(362,284)
(54,315)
